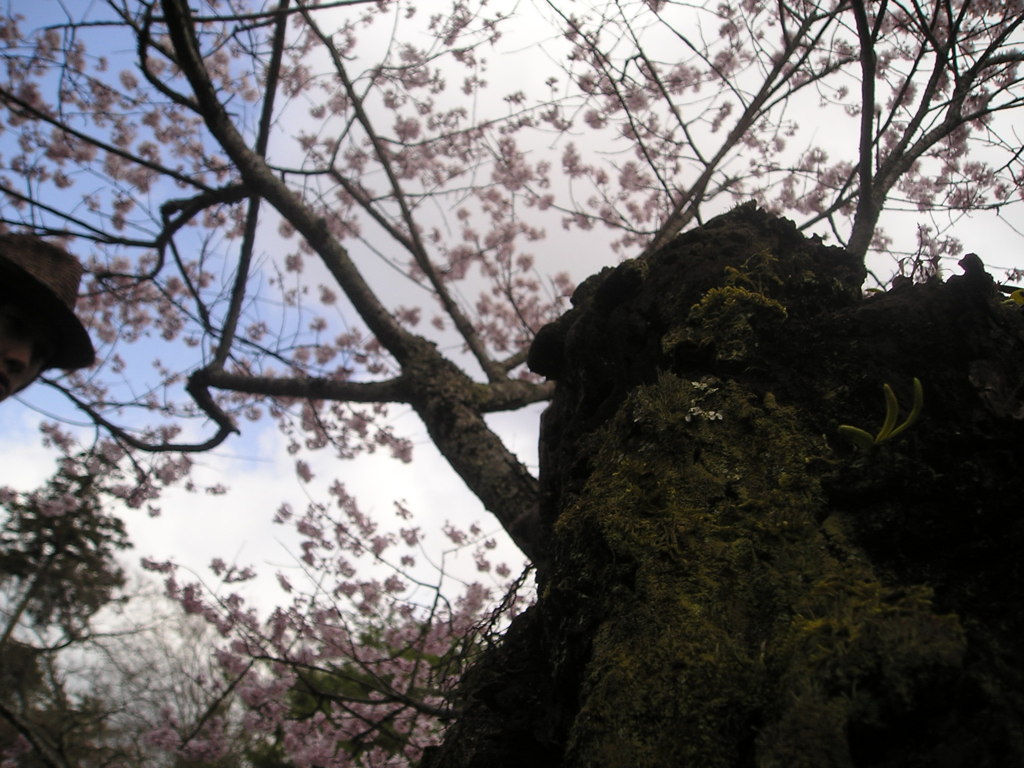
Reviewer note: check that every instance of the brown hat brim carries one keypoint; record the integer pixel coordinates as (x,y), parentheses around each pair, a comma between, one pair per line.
(72,347)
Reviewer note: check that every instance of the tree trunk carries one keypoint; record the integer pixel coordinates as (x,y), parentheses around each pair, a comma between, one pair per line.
(735,581)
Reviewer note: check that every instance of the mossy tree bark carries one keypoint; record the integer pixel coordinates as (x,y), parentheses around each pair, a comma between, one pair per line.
(733,581)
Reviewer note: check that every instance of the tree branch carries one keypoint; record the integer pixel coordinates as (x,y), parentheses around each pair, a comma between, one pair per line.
(411,239)
(50,757)
(908,151)
(866,217)
(510,395)
(254,170)
(199,392)
(23,105)
(444,397)
(252,215)
(311,388)
(685,208)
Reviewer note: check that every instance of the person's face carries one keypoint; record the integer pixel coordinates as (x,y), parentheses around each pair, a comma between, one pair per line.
(23,349)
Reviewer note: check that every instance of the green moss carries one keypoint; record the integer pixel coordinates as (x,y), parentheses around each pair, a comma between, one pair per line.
(759,273)
(727,586)
(728,319)
(856,654)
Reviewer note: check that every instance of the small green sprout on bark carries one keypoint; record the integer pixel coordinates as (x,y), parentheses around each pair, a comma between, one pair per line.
(889,429)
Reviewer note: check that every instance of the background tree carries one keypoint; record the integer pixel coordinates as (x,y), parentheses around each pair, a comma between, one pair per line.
(57,570)
(232,121)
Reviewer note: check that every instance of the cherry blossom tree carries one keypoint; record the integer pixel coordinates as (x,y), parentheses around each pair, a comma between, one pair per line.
(354,670)
(314,212)
(167,169)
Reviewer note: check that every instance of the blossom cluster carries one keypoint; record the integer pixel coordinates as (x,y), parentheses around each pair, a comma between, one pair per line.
(350,671)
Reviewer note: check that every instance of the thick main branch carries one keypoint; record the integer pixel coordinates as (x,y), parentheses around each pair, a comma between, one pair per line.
(448,401)
(261,180)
